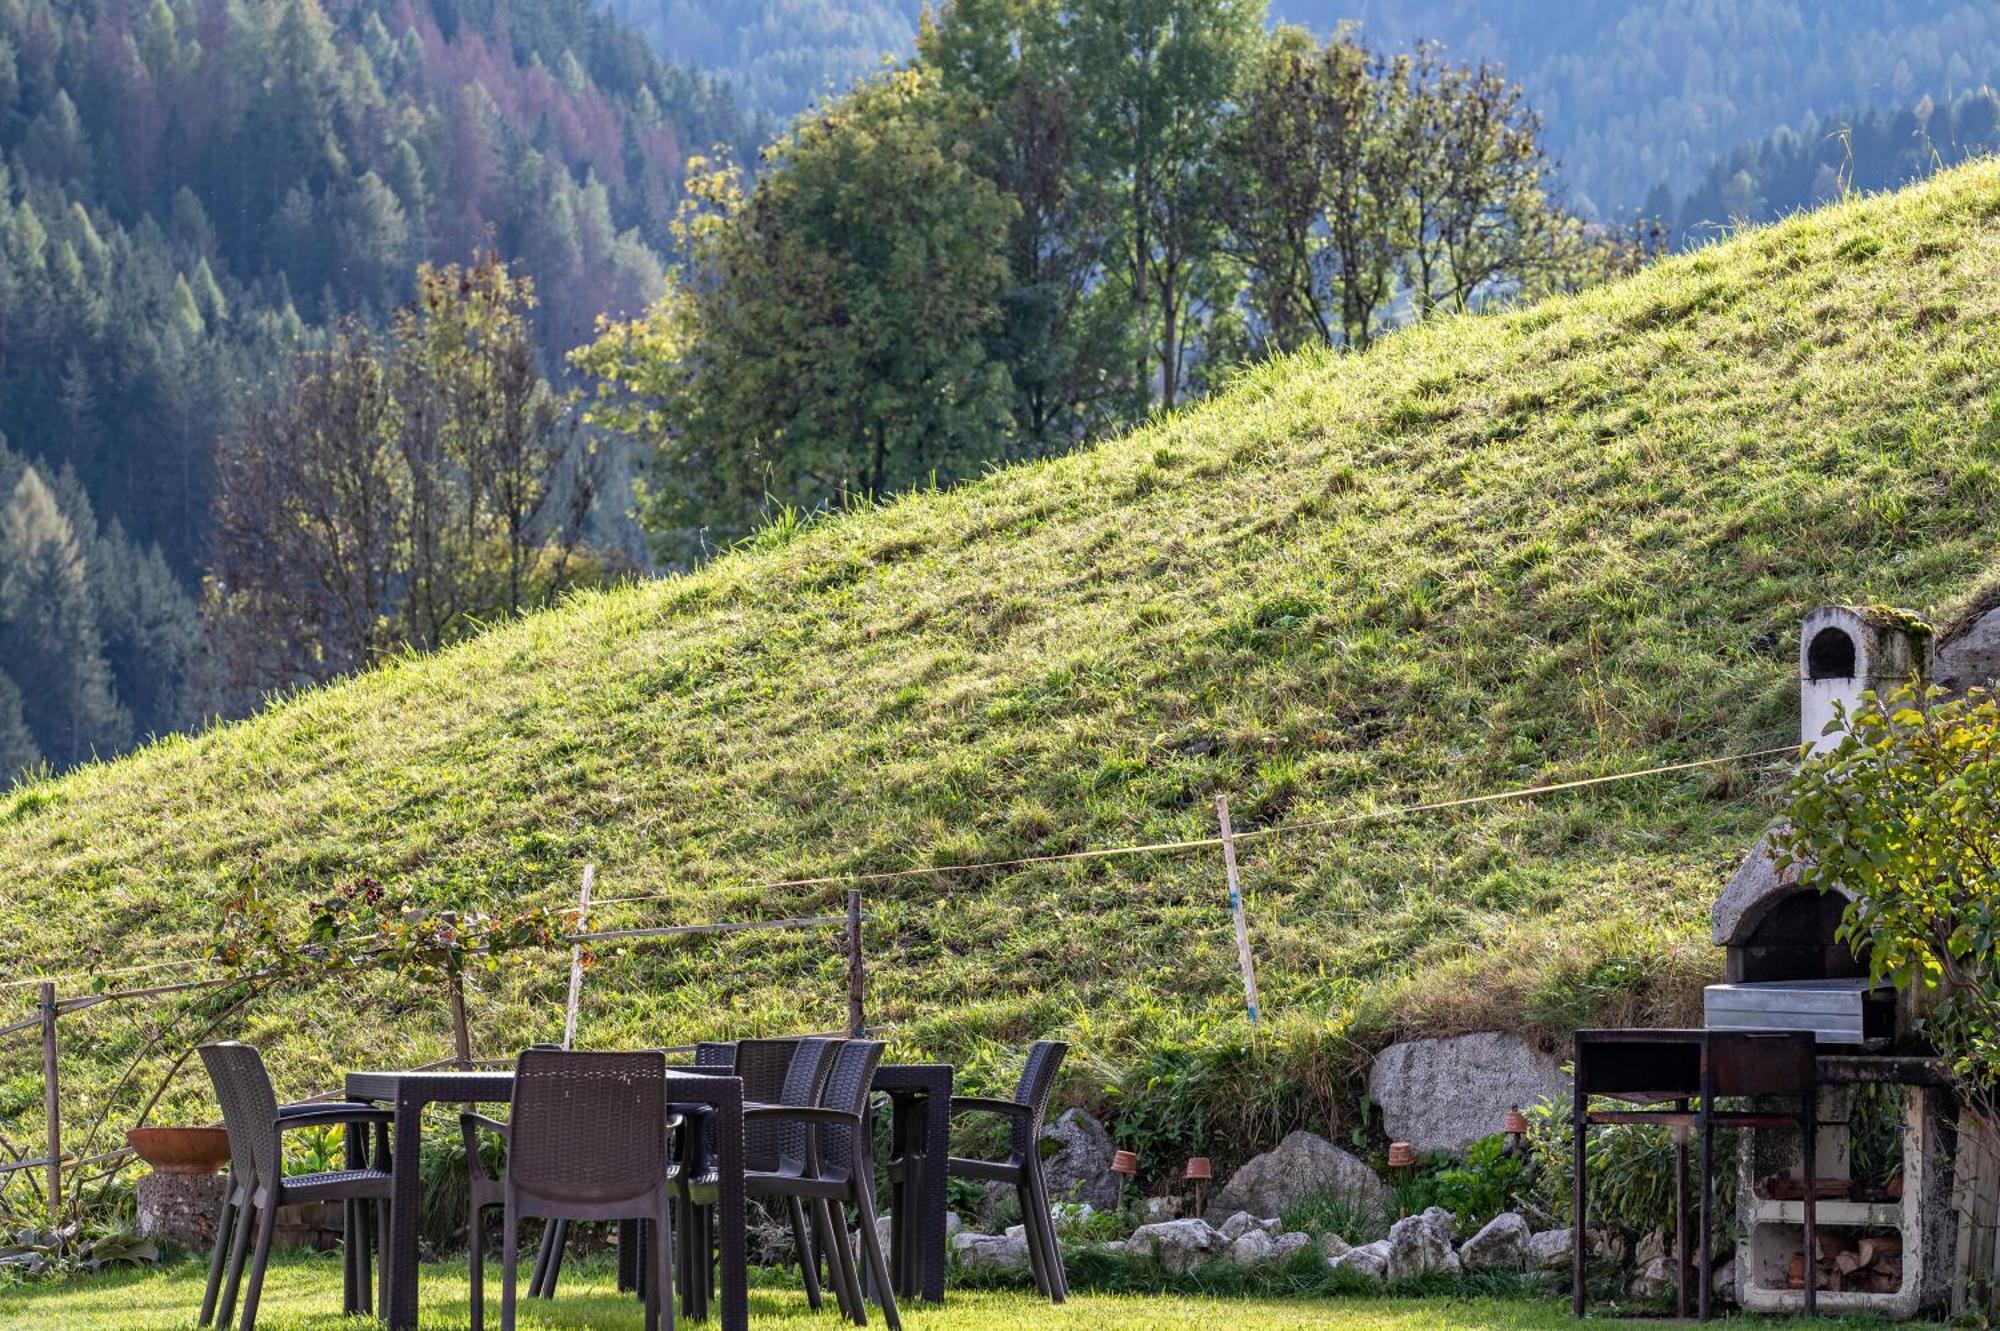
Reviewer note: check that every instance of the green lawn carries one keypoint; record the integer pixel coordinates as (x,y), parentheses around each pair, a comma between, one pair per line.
(303,1294)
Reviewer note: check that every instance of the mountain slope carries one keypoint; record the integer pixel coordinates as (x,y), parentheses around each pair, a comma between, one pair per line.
(1567,540)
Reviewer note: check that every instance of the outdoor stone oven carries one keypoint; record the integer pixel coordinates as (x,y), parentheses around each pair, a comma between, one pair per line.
(1883,1250)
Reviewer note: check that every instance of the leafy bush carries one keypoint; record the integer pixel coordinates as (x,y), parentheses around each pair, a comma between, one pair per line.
(1903,814)
(1632,1177)
(1482,1185)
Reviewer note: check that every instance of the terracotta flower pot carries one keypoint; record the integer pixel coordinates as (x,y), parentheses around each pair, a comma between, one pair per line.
(1125,1163)
(1401,1155)
(1516,1122)
(180,1150)
(1199,1169)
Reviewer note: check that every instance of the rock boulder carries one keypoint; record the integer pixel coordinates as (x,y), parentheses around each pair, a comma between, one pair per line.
(1447,1094)
(1370,1260)
(1303,1164)
(1421,1244)
(1177,1244)
(992,1252)
(1251,1248)
(1500,1245)
(1080,1169)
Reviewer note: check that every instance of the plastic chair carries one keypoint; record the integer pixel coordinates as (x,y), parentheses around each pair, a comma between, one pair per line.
(827,1158)
(258,1185)
(588,1140)
(1022,1169)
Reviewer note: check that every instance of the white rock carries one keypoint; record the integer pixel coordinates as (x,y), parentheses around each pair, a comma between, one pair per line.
(1303,1164)
(1421,1244)
(1283,1246)
(1157,1209)
(1332,1246)
(952,1225)
(1370,1260)
(1242,1223)
(1550,1249)
(1500,1245)
(1447,1094)
(1079,1170)
(1654,1277)
(994,1252)
(1178,1244)
(1251,1248)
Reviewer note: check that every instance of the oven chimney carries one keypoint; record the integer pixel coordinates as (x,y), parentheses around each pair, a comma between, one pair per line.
(1845,651)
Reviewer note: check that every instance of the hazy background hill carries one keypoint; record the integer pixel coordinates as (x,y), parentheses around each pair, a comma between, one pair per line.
(1641,100)
(188,189)
(776,56)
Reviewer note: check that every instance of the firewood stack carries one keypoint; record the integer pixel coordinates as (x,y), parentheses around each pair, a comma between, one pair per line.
(1868,1264)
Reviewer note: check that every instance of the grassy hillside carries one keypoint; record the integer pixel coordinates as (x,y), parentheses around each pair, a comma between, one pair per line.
(1572,539)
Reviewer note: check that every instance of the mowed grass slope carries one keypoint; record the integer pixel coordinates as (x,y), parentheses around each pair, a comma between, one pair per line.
(1568,540)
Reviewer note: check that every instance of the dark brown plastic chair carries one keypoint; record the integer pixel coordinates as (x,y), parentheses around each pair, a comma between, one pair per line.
(774,1072)
(258,1185)
(827,1158)
(1023,1166)
(588,1140)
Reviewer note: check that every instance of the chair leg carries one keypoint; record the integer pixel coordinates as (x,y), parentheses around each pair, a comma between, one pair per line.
(840,1262)
(822,1251)
(1038,1255)
(239,1244)
(510,1265)
(655,1268)
(350,1302)
(1051,1242)
(663,1250)
(552,1258)
(267,1225)
(381,1254)
(475,1244)
(220,1258)
(808,1267)
(540,1265)
(871,1249)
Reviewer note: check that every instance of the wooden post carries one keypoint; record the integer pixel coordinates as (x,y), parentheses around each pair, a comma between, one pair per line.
(1243,958)
(461,1030)
(51,1101)
(576,958)
(857,988)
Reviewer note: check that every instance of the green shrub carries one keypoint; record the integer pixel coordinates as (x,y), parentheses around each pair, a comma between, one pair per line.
(1631,1170)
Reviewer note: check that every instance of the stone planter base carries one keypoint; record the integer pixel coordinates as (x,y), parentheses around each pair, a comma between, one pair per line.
(180,1210)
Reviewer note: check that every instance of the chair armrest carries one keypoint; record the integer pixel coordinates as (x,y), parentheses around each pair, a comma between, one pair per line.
(983,1104)
(469,1125)
(472,1122)
(801,1114)
(335,1114)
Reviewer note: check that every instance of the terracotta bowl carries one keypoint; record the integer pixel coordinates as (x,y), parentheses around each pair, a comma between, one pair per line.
(180,1150)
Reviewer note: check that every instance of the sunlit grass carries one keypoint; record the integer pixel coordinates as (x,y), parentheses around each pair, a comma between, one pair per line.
(303,1294)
